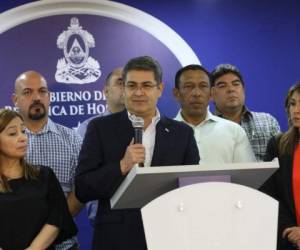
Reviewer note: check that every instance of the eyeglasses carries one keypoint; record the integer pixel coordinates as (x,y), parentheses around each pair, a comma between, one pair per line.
(145,87)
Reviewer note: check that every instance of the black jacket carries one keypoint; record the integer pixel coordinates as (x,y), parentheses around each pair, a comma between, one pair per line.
(99,175)
(280,187)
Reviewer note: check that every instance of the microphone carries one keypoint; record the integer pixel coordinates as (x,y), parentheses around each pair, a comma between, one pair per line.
(138,125)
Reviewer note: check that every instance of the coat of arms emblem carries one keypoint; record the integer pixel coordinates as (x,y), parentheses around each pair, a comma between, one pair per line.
(76,66)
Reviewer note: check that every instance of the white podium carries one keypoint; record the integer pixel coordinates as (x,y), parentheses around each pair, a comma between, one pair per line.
(143,185)
(211,216)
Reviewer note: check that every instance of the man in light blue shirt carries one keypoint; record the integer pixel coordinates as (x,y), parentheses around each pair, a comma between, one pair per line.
(50,144)
(113,91)
(218,140)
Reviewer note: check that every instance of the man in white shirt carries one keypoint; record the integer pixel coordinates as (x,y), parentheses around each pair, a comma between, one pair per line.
(218,140)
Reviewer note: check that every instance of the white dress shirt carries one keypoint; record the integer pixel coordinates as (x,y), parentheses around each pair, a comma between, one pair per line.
(220,140)
(149,138)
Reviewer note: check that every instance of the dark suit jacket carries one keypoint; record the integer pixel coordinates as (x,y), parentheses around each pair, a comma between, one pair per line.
(99,175)
(280,187)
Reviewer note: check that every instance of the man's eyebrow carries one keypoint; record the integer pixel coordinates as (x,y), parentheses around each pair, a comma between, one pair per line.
(139,82)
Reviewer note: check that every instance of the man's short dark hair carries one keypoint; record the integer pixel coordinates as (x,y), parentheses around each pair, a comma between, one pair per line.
(186,68)
(146,63)
(223,69)
(109,76)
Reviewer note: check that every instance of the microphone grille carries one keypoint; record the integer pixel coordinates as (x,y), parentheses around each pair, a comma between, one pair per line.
(137,122)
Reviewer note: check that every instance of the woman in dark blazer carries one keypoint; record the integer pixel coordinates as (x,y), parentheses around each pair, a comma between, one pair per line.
(284,185)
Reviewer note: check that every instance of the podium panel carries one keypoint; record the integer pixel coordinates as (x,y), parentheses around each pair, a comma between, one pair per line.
(184,181)
(211,216)
(142,185)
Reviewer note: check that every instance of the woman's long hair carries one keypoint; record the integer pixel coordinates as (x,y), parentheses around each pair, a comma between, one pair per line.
(289,139)
(30,172)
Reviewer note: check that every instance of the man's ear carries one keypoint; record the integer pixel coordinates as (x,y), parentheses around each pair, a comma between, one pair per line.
(49,97)
(176,93)
(14,99)
(161,87)
(212,93)
(106,91)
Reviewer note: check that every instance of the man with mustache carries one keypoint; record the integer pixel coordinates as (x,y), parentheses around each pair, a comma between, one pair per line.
(50,144)
(228,93)
(218,140)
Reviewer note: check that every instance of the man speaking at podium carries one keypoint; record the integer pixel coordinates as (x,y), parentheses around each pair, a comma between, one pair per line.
(108,154)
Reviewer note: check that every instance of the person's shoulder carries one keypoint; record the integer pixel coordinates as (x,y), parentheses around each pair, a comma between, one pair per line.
(230,128)
(227,123)
(87,121)
(61,128)
(81,130)
(110,118)
(44,171)
(166,121)
(66,132)
(266,121)
(262,116)
(273,142)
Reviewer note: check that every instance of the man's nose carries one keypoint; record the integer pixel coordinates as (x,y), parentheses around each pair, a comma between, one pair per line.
(230,88)
(36,96)
(139,90)
(196,91)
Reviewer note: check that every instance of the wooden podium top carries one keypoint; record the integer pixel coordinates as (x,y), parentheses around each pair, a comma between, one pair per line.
(142,185)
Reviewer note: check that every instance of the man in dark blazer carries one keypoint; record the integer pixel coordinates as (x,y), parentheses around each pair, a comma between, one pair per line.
(108,154)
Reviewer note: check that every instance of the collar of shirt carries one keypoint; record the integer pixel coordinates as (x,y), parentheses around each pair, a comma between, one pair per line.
(246,113)
(49,127)
(149,138)
(209,118)
(155,119)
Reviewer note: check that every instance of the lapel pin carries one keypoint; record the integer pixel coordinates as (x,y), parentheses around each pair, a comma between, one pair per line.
(167,130)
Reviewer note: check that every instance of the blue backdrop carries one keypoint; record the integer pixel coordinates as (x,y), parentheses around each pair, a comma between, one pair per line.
(261,37)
